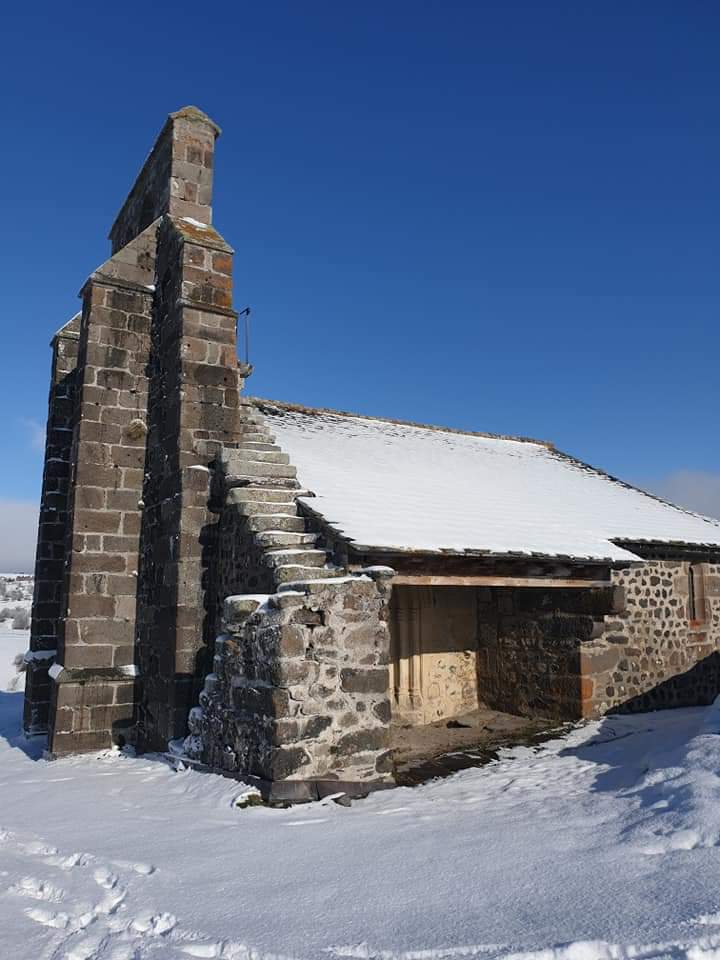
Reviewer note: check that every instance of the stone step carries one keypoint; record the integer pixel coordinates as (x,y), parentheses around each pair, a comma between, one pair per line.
(253,426)
(262,494)
(292,572)
(309,584)
(254,445)
(265,456)
(277,539)
(264,483)
(249,508)
(249,412)
(259,436)
(239,466)
(260,522)
(296,557)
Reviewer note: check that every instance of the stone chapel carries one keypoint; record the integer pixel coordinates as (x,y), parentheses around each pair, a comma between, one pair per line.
(271,588)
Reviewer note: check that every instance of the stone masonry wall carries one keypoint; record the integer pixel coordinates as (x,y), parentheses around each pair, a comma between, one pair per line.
(529,642)
(583,653)
(299,691)
(650,654)
(49,598)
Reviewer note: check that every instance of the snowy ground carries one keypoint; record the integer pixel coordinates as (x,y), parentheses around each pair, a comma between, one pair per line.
(601,845)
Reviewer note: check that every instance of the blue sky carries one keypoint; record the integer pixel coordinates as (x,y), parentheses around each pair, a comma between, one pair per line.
(499,216)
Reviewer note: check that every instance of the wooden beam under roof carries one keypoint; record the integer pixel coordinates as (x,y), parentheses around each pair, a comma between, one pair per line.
(442,580)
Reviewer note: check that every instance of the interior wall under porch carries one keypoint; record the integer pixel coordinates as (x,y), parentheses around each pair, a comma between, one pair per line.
(433,656)
(530,642)
(512,649)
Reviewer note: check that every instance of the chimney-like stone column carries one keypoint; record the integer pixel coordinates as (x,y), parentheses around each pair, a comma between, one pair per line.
(176,178)
(155,394)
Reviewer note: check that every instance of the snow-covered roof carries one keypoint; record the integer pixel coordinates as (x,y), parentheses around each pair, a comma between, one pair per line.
(391,485)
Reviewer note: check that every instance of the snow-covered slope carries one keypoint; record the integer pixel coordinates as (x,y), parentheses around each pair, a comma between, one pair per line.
(387,484)
(603,844)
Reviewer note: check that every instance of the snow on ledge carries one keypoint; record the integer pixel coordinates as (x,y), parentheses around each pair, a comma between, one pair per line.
(32,656)
(195,223)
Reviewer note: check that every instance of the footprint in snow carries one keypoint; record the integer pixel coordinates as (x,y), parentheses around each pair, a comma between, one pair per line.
(203,950)
(144,869)
(47,918)
(86,949)
(37,889)
(153,924)
(124,952)
(109,904)
(682,840)
(36,848)
(105,878)
(71,861)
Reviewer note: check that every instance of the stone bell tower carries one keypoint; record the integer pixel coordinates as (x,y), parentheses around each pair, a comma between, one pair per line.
(144,392)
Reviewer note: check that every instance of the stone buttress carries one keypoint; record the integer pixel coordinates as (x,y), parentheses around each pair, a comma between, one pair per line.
(48,606)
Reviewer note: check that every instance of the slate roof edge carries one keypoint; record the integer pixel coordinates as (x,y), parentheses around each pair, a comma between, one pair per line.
(618,540)
(261,402)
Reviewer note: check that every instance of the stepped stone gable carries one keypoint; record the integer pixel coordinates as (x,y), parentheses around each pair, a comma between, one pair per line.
(193,594)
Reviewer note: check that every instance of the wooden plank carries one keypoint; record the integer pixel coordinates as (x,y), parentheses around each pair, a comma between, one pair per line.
(412,580)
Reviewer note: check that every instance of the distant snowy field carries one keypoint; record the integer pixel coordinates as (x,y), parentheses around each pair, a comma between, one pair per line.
(599,846)
(16,592)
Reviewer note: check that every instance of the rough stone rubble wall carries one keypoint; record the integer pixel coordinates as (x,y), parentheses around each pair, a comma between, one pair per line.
(583,653)
(529,643)
(650,655)
(299,687)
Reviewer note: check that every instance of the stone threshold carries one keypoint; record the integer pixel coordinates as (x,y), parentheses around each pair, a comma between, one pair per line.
(287,791)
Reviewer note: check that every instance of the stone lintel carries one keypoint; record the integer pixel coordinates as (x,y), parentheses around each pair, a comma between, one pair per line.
(95,675)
